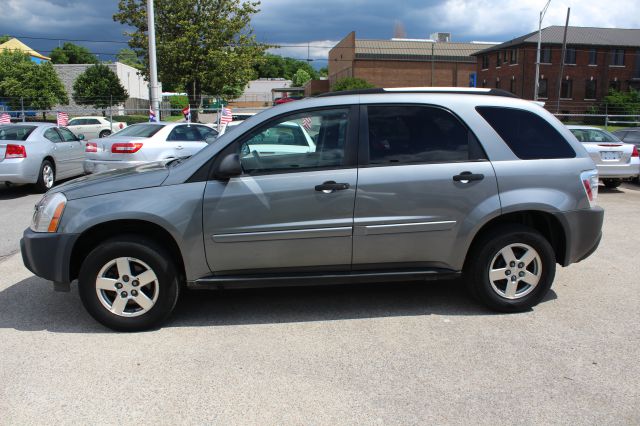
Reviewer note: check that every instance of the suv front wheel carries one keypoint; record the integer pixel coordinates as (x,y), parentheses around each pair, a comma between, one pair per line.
(511,268)
(129,283)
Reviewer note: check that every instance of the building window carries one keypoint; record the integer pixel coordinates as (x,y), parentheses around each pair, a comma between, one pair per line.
(570,56)
(485,62)
(505,57)
(566,89)
(512,85)
(545,55)
(498,58)
(590,89)
(617,57)
(543,88)
(514,56)
(614,85)
(593,57)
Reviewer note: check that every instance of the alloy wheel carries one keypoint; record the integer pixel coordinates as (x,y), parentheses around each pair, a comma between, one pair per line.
(515,271)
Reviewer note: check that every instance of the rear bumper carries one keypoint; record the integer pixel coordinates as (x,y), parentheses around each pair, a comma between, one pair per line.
(620,171)
(96,166)
(48,255)
(18,170)
(583,229)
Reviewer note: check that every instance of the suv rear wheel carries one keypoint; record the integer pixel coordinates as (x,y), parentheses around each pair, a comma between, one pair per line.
(511,268)
(129,283)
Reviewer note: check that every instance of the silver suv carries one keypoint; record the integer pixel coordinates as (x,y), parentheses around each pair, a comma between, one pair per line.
(400,184)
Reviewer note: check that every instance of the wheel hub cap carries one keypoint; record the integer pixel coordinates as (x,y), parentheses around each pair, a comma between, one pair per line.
(515,271)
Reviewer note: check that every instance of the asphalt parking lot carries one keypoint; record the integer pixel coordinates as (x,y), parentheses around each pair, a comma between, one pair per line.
(367,354)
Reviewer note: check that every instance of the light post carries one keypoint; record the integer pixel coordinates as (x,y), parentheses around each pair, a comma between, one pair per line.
(537,83)
(153,70)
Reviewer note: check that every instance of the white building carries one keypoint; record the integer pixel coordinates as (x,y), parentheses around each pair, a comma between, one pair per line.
(258,92)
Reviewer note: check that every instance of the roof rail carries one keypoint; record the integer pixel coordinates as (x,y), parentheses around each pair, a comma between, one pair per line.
(448,90)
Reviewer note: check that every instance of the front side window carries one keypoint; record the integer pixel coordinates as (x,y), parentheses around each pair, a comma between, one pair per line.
(416,134)
(93,121)
(310,140)
(52,135)
(77,122)
(528,135)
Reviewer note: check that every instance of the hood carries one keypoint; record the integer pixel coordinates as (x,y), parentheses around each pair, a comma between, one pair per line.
(138,177)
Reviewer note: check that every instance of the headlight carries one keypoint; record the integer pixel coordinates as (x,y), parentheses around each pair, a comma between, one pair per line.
(48,212)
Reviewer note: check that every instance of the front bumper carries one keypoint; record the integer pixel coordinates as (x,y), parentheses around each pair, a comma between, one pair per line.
(96,166)
(583,229)
(48,255)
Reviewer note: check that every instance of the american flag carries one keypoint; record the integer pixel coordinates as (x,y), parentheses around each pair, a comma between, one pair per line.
(5,118)
(226,116)
(306,123)
(186,111)
(152,115)
(63,119)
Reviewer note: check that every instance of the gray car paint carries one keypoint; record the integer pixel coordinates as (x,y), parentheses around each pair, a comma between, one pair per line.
(547,185)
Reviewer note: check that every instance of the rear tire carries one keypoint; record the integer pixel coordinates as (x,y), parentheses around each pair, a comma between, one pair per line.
(129,283)
(612,183)
(46,177)
(104,133)
(510,268)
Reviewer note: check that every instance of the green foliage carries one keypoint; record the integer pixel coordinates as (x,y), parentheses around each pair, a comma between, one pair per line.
(231,92)
(627,103)
(300,78)
(38,84)
(351,83)
(4,38)
(71,53)
(100,87)
(131,119)
(274,66)
(323,72)
(129,57)
(178,102)
(202,45)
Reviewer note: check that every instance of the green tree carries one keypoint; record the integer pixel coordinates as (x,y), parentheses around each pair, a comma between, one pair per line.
(201,45)
(627,103)
(37,85)
(351,83)
(129,57)
(4,38)
(323,72)
(300,78)
(71,53)
(275,66)
(100,87)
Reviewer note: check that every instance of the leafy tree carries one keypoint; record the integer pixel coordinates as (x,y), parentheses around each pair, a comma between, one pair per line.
(351,83)
(323,72)
(202,45)
(71,53)
(627,103)
(300,78)
(37,84)
(275,66)
(129,57)
(100,87)
(4,38)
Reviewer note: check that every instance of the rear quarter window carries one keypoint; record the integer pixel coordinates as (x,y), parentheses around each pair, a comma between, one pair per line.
(528,135)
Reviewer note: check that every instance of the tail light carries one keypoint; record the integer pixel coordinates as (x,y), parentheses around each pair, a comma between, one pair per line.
(590,183)
(635,151)
(126,147)
(15,151)
(121,126)
(91,147)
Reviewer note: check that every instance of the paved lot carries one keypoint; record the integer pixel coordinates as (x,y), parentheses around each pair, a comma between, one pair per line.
(384,354)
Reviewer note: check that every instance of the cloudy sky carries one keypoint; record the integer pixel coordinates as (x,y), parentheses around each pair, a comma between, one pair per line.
(321,23)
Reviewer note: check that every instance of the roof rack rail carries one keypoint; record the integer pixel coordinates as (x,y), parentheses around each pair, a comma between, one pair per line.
(447,90)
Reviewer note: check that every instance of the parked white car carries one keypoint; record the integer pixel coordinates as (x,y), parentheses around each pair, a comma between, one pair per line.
(289,137)
(146,142)
(94,127)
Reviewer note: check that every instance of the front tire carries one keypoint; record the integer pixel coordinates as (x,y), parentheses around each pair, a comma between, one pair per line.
(129,283)
(46,177)
(510,268)
(612,183)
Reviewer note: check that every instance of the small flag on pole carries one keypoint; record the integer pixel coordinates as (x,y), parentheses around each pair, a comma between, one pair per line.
(186,111)
(226,116)
(5,118)
(63,119)
(152,115)
(306,123)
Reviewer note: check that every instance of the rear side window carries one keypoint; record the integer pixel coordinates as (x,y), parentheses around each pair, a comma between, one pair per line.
(528,135)
(402,134)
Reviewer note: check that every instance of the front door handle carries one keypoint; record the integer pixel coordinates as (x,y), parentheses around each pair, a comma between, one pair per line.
(330,186)
(179,147)
(465,177)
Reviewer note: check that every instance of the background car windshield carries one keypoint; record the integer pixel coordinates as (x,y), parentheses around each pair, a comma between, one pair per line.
(15,133)
(592,135)
(141,130)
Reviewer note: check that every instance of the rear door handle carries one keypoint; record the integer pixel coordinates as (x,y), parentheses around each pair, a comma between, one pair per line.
(330,186)
(465,177)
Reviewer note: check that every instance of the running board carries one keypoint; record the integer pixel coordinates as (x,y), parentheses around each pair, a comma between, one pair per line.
(301,279)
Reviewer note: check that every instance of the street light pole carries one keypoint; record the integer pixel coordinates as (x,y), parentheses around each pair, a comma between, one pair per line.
(537,84)
(153,69)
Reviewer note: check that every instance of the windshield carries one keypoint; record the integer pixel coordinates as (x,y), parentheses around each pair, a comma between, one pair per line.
(593,135)
(141,130)
(15,133)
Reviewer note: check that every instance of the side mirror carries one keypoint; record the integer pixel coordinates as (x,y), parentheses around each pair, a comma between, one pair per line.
(81,136)
(229,167)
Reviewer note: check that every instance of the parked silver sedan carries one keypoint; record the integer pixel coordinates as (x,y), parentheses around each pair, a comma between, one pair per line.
(146,142)
(39,153)
(614,159)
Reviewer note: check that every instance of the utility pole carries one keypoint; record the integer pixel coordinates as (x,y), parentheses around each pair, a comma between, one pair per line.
(22,108)
(562,55)
(111,113)
(537,83)
(153,69)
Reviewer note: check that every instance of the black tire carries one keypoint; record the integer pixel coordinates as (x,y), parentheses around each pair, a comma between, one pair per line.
(104,133)
(481,259)
(43,185)
(138,249)
(612,183)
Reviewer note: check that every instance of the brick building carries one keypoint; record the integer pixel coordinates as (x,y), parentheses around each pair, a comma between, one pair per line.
(596,60)
(404,62)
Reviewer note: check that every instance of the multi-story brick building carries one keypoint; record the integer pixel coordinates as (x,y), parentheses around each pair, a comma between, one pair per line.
(596,60)
(404,62)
